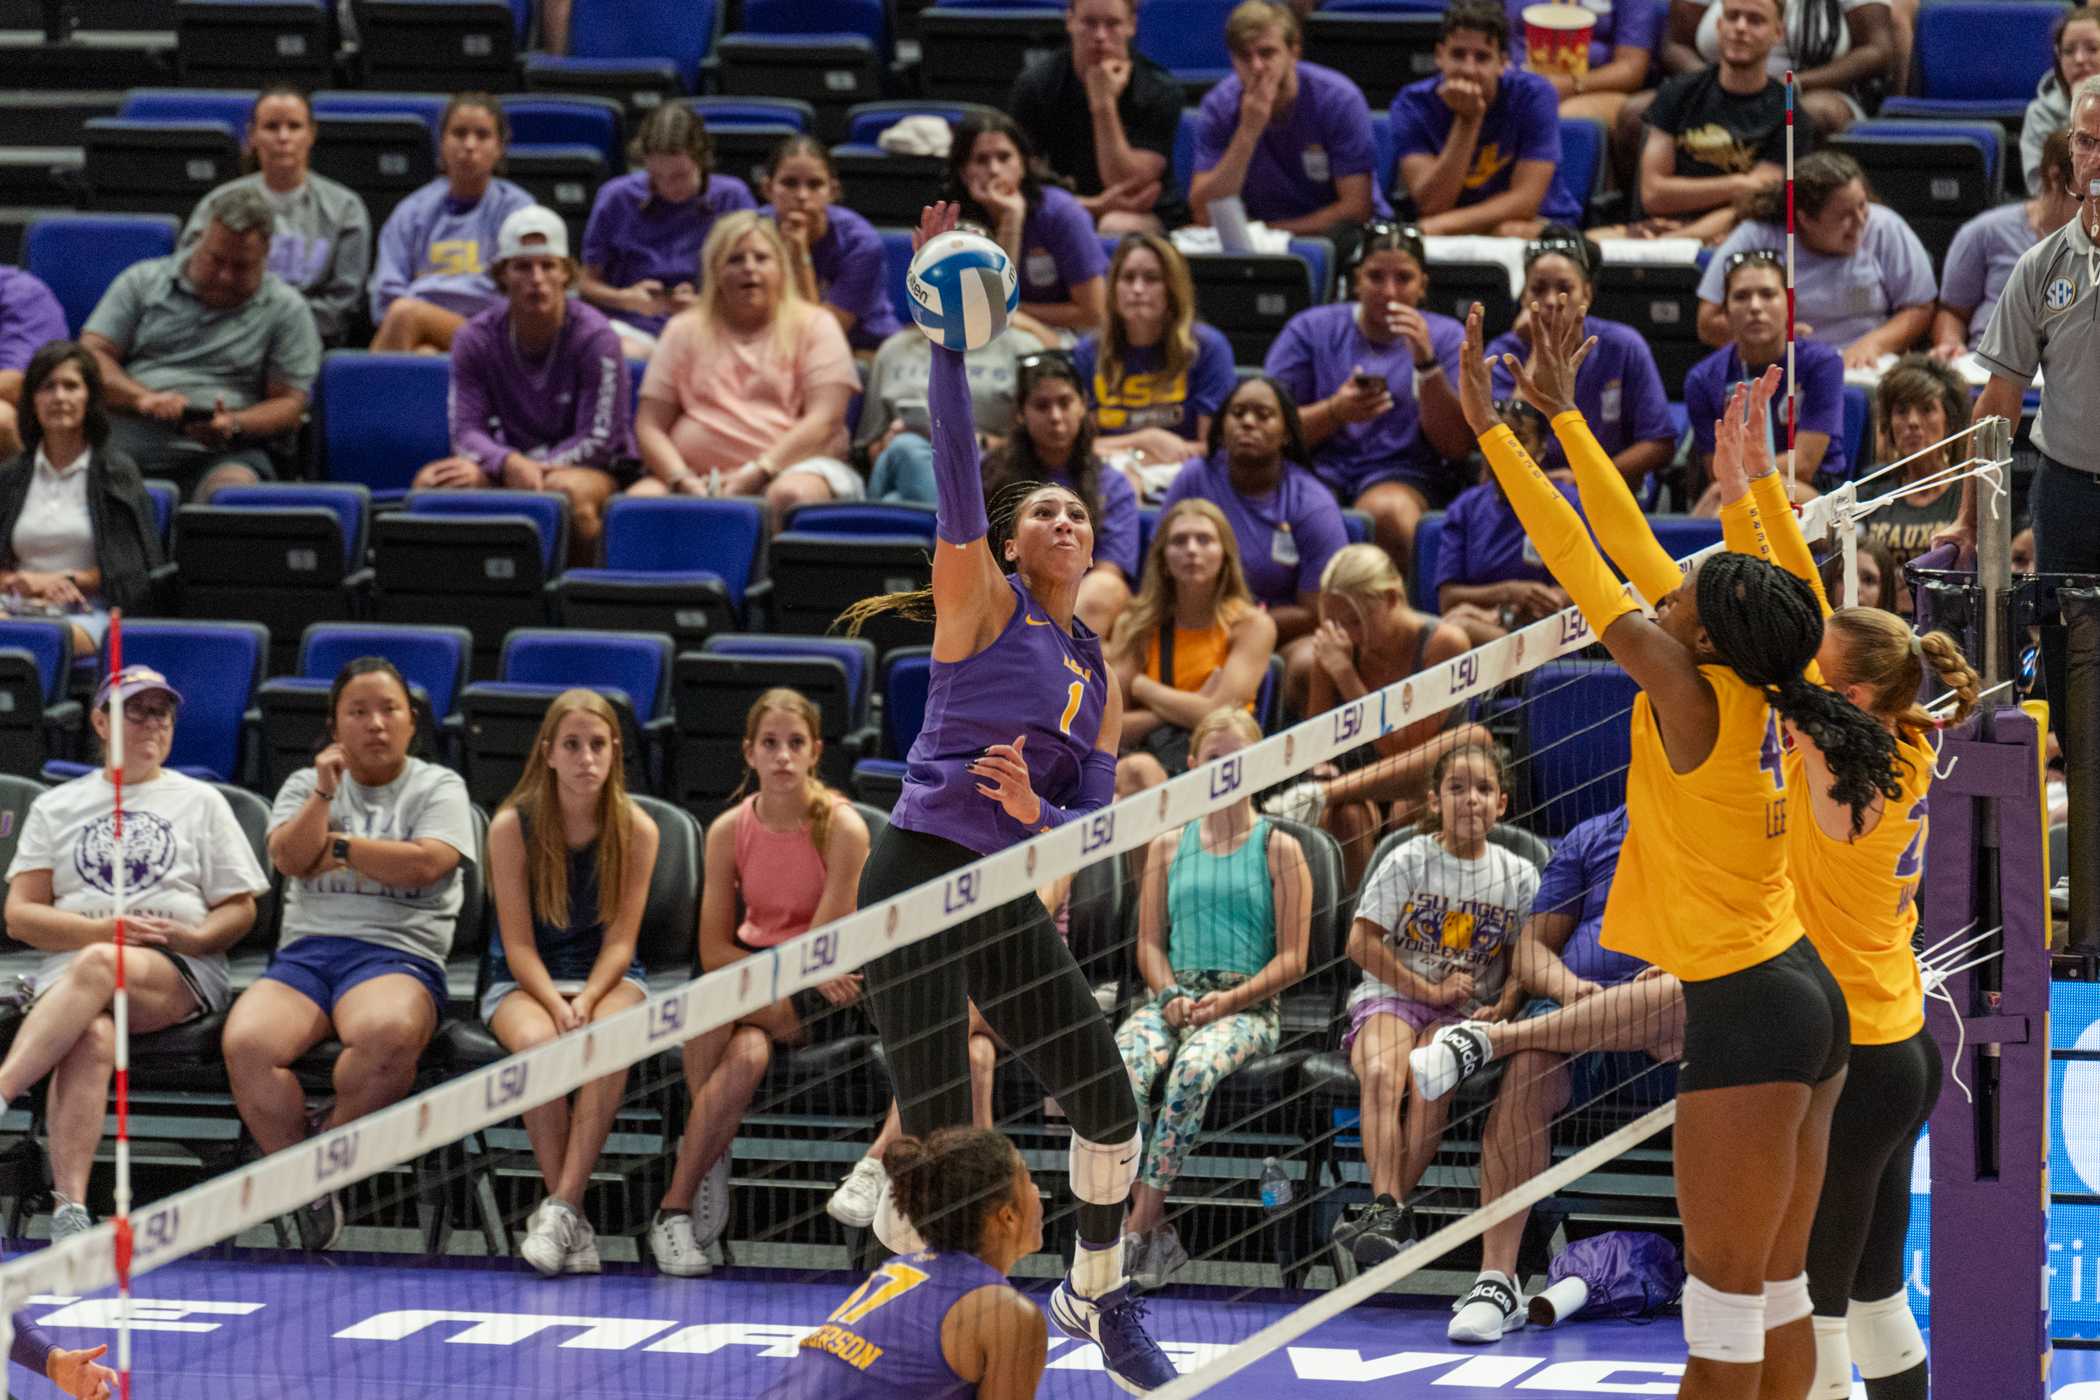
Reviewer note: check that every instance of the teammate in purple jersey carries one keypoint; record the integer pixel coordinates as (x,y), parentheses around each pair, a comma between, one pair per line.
(75,1373)
(1020,736)
(941,1324)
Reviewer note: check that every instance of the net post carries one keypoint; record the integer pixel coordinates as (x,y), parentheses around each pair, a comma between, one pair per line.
(2080,608)
(1992,444)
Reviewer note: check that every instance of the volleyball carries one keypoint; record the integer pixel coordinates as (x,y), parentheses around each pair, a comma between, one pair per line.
(963,287)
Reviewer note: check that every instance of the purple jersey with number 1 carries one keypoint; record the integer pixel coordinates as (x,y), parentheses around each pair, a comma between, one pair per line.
(884,1341)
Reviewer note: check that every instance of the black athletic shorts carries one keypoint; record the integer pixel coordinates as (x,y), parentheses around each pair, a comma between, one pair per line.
(1781,1021)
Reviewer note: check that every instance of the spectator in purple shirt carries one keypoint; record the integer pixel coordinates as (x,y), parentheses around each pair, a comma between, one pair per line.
(641,248)
(1756,288)
(539,386)
(1489,579)
(1290,139)
(29,316)
(1376,377)
(431,274)
(1985,250)
(1479,141)
(1156,375)
(836,256)
(1622,46)
(994,175)
(1285,522)
(1618,388)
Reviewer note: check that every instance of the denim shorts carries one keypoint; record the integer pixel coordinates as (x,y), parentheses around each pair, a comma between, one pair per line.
(567,986)
(322,969)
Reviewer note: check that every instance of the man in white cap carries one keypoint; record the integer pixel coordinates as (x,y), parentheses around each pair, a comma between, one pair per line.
(539,392)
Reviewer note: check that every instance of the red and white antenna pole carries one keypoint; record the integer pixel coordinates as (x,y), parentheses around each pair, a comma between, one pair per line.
(120,1013)
(1791,382)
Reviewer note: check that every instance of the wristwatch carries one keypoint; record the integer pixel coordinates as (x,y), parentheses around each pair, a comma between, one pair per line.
(340,849)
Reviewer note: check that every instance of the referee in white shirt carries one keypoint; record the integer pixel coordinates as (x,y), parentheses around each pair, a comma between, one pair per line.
(2049,319)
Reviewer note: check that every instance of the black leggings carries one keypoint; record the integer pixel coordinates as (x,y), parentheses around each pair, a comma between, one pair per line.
(1856,1247)
(1010,961)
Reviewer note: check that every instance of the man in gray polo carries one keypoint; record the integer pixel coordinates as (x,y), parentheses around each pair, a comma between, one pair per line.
(2049,319)
(206,355)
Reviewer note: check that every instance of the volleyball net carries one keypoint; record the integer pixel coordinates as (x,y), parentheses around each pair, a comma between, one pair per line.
(1276,1181)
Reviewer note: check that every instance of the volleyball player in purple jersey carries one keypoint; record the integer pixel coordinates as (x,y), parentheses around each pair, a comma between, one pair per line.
(941,1324)
(76,1373)
(1022,722)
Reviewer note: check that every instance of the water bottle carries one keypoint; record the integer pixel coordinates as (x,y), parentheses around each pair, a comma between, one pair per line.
(1275,1186)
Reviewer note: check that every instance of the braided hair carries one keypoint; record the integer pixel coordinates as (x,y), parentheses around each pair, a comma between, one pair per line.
(1766,626)
(1003,508)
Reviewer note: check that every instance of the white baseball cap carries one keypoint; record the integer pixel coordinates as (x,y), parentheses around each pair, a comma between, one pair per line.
(533,222)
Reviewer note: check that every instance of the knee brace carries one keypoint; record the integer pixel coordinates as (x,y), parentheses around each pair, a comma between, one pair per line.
(1724,1327)
(1786,1300)
(894,1228)
(1103,1172)
(1884,1335)
(1833,1361)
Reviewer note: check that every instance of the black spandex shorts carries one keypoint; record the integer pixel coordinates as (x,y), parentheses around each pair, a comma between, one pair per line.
(1781,1021)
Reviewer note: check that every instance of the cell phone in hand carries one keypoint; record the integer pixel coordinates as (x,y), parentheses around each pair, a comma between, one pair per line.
(191,413)
(1366,383)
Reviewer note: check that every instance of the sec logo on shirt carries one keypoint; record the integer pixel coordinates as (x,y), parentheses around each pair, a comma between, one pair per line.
(2060,295)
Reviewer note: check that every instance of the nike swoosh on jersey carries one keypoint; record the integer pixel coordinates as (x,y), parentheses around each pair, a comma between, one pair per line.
(1034,621)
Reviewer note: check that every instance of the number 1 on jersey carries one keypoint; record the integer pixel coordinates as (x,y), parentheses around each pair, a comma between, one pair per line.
(1074,693)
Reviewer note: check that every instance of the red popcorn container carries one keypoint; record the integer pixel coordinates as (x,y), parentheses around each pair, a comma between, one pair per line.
(1557,38)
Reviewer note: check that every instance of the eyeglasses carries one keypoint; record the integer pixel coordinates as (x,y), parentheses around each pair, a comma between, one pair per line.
(149,712)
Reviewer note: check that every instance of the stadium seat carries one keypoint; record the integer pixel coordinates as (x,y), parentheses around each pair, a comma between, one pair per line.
(479,557)
(829,53)
(230,42)
(284,556)
(1661,302)
(1952,83)
(384,157)
(674,564)
(1572,743)
(382,417)
(597,122)
(866,121)
(884,188)
(37,721)
(1685,535)
(427,107)
(1249,296)
(1859,413)
(1454,285)
(973,53)
(714,687)
(1936,174)
(165,496)
(228,107)
(1581,168)
(16,794)
(157,167)
(907,676)
(440,45)
(563,178)
(500,719)
(1421,572)
(607,32)
(813,574)
(1380,51)
(862,518)
(217,667)
(294,707)
(720,112)
(1186,37)
(1356,524)
(896,257)
(78,255)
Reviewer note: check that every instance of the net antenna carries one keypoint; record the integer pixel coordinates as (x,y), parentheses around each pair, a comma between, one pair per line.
(120,1013)
(1793,473)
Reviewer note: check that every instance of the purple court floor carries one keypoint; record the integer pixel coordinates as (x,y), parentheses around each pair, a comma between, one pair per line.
(346,1329)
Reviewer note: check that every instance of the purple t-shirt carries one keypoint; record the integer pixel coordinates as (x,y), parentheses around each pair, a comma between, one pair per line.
(1618,388)
(1116,531)
(1821,371)
(29,316)
(1022,685)
(890,1349)
(1632,24)
(567,409)
(1484,542)
(1981,259)
(1523,123)
(1285,538)
(1325,134)
(1059,248)
(1147,398)
(853,275)
(1315,355)
(1843,297)
(436,249)
(633,236)
(1578,881)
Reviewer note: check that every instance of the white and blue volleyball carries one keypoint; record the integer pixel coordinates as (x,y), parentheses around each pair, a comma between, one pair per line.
(963,288)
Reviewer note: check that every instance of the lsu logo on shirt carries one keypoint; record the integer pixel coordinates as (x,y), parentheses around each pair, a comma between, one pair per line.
(1152,400)
(1488,163)
(454,257)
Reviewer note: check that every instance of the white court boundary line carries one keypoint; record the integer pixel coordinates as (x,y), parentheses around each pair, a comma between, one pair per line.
(216,1210)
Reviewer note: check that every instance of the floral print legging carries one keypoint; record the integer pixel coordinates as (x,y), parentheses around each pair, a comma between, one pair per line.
(1194,1059)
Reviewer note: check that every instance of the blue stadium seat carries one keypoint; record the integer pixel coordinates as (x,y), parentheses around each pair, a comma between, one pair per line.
(1379,48)
(856,656)
(217,667)
(1859,412)
(1952,38)
(674,564)
(1936,174)
(383,418)
(78,255)
(233,42)
(1384,174)
(1429,541)
(282,555)
(868,19)
(860,518)
(1572,743)
(154,167)
(1356,525)
(713,688)
(596,122)
(907,678)
(501,718)
(547,510)
(294,708)
(441,45)
(421,105)
(829,53)
(815,574)
(37,721)
(886,189)
(166,496)
(1581,161)
(229,107)
(754,111)
(1186,37)
(896,257)
(478,557)
(385,156)
(866,121)
(681,31)
(1148,526)
(1248,297)
(1181,165)
(1684,535)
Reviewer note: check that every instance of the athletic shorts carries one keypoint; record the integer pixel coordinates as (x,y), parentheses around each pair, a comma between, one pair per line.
(1781,1021)
(322,969)
(1420,1015)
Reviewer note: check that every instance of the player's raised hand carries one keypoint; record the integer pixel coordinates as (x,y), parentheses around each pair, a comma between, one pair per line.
(1476,383)
(934,220)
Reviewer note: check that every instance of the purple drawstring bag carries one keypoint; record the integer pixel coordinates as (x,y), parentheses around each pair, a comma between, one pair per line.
(1622,1273)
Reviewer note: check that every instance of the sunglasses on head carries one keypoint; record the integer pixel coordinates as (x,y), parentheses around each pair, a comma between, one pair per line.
(1570,248)
(1766,256)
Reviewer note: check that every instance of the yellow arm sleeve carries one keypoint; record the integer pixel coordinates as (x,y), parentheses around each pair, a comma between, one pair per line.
(1557,531)
(1621,526)
(1783,530)
(1743,529)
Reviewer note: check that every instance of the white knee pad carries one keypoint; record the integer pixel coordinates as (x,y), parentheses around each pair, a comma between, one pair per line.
(894,1228)
(1102,1173)
(1786,1300)
(1833,1361)
(1725,1327)
(1885,1337)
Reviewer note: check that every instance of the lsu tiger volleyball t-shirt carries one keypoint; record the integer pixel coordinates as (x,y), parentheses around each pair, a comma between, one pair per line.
(1146,396)
(183,854)
(1440,914)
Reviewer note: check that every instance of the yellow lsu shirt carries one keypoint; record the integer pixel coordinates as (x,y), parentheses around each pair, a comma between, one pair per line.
(1859,899)
(1702,888)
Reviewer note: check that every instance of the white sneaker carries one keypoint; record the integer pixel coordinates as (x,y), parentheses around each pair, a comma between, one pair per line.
(855,1202)
(894,1228)
(1490,1309)
(1304,802)
(1452,1056)
(70,1219)
(677,1253)
(549,1236)
(711,1203)
(582,1257)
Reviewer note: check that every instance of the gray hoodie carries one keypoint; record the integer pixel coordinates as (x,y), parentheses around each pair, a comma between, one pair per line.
(2050,110)
(322,245)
